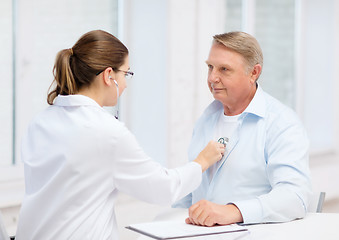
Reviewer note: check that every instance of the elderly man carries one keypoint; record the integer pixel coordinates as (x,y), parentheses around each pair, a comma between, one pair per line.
(264,174)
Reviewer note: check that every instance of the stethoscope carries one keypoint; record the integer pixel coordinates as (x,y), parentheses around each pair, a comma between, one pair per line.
(118,102)
(223,140)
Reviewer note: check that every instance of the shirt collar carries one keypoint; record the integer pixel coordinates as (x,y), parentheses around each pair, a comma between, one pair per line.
(257,105)
(74,100)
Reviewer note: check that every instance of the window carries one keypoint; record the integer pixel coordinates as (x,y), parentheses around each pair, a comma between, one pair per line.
(275,31)
(233,15)
(41,28)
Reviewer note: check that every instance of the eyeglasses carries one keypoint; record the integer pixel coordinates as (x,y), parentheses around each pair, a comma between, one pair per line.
(128,74)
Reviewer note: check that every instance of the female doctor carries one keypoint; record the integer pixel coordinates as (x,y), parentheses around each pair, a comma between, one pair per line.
(77,156)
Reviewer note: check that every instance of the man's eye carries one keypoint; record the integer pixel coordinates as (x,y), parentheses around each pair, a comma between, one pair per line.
(210,67)
(223,69)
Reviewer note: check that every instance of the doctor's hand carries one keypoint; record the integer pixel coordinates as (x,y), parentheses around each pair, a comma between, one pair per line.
(206,213)
(212,153)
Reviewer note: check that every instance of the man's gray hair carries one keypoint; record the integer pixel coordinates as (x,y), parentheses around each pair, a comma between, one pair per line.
(244,44)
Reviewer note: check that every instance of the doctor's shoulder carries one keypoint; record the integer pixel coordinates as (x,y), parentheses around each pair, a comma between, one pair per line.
(108,124)
(41,116)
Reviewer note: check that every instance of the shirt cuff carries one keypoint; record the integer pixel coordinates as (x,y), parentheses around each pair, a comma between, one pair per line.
(251,210)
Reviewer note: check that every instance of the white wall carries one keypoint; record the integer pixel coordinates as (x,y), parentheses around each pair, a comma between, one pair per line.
(43,29)
(145,99)
(336,74)
(318,98)
(6,82)
(321,71)
(318,73)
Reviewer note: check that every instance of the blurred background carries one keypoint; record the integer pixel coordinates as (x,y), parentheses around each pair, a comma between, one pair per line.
(169,41)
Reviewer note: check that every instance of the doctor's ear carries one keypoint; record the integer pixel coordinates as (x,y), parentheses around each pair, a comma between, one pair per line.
(108,75)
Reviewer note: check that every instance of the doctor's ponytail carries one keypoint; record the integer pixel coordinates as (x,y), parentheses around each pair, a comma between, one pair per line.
(78,66)
(63,76)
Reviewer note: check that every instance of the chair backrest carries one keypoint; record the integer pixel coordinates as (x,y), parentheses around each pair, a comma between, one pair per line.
(3,232)
(316,203)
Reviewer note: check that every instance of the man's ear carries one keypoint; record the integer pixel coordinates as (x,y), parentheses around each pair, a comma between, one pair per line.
(255,73)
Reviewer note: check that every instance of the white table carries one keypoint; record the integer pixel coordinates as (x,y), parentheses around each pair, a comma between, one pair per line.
(315,226)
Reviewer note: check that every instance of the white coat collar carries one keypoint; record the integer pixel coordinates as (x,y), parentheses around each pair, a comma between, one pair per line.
(74,100)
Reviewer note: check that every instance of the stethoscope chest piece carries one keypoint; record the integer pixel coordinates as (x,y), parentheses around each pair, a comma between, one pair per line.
(223,140)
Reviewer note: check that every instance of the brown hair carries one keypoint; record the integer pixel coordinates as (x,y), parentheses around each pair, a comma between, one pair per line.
(77,67)
(244,44)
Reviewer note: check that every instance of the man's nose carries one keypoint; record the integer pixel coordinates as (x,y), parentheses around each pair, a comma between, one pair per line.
(213,77)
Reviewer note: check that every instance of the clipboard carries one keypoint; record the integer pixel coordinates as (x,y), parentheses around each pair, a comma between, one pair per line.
(166,230)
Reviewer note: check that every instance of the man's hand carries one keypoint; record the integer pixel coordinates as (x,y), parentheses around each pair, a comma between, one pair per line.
(206,213)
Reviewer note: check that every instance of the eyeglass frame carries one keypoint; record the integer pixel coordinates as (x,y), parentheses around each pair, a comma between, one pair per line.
(128,74)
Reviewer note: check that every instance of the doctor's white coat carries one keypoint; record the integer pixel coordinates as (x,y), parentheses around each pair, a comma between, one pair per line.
(77,157)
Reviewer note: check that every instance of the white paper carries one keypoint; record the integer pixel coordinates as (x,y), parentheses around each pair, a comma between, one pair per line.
(176,229)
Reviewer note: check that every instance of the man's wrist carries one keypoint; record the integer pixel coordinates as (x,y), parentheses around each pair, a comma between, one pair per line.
(236,213)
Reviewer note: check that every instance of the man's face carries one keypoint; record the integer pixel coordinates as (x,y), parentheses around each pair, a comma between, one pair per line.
(229,80)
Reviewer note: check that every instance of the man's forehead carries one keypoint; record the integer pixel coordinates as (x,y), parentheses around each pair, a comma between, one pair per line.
(221,55)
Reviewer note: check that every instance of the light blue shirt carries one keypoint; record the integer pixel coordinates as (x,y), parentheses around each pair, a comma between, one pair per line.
(265,172)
